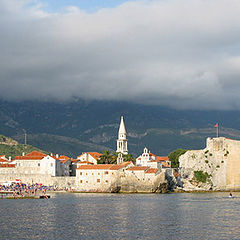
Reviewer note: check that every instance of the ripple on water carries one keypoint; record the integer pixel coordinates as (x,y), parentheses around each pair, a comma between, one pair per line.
(119,216)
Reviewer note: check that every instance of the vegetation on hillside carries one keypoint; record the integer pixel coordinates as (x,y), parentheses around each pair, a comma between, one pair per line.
(174,157)
(17,150)
(11,148)
(201,176)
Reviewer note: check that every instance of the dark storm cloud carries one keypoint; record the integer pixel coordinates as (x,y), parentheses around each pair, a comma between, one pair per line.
(179,53)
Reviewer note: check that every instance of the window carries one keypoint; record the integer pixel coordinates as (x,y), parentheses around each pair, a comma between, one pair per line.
(92,173)
(98,180)
(39,164)
(86,173)
(86,181)
(51,164)
(106,180)
(80,181)
(98,173)
(80,173)
(106,172)
(112,173)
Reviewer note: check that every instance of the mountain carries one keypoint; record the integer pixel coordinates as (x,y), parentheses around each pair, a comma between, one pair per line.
(74,127)
(10,147)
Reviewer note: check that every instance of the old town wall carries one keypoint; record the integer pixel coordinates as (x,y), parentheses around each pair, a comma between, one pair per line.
(220,159)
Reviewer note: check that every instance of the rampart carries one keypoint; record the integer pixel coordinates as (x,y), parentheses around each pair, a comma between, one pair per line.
(220,160)
(48,180)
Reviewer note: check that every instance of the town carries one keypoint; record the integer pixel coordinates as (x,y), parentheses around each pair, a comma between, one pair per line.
(85,173)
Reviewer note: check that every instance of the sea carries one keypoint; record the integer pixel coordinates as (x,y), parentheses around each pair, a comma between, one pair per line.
(122,216)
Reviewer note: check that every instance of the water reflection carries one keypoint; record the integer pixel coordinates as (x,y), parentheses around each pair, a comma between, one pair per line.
(118,216)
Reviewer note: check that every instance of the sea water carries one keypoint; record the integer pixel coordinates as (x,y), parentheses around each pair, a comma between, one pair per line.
(122,216)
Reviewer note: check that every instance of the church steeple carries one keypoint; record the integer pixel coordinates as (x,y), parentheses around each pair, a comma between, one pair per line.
(122,138)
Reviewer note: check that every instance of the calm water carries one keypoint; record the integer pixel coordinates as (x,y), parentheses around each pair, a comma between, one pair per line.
(130,216)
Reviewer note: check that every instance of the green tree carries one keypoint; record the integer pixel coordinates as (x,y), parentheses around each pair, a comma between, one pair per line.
(128,157)
(106,158)
(111,158)
(174,157)
(201,176)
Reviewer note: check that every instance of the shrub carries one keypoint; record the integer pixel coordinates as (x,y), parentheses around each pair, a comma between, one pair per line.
(174,157)
(206,161)
(201,176)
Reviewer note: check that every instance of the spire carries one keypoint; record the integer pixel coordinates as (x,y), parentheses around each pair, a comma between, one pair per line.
(122,129)
(122,138)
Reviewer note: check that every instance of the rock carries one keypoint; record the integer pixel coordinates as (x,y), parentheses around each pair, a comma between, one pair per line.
(219,161)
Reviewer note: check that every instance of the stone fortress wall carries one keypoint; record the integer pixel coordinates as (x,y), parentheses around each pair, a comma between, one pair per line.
(119,183)
(220,159)
(48,180)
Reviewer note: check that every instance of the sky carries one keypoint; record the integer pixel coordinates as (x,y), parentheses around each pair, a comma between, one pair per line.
(183,54)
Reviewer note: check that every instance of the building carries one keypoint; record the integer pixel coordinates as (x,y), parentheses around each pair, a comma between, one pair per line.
(37,163)
(122,143)
(143,173)
(99,177)
(91,157)
(219,162)
(149,159)
(3,159)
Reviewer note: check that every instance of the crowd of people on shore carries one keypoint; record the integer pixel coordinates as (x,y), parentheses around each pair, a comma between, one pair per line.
(23,190)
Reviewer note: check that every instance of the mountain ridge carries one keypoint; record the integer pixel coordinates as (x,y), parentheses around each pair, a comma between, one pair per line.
(93,126)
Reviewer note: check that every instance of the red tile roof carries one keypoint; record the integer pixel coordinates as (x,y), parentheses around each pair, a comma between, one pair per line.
(64,161)
(3,160)
(120,165)
(151,154)
(95,155)
(35,155)
(162,158)
(75,160)
(7,165)
(86,162)
(62,157)
(138,168)
(95,167)
(152,170)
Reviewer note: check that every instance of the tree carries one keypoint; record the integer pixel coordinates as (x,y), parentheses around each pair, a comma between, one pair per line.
(106,158)
(128,157)
(111,158)
(174,157)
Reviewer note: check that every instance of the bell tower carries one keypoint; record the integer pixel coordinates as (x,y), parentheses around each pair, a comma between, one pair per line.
(122,146)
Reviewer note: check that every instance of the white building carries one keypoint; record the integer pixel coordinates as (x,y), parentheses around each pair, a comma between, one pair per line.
(143,173)
(100,176)
(122,144)
(91,157)
(39,163)
(151,160)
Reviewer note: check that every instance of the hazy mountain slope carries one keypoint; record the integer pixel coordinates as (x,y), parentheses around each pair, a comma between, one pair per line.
(71,147)
(10,147)
(72,128)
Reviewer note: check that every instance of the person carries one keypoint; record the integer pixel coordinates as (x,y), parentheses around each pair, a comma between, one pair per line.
(230,195)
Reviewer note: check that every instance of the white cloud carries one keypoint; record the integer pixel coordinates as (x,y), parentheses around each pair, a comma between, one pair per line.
(180,53)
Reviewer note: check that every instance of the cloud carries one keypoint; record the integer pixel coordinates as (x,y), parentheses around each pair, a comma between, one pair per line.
(178,53)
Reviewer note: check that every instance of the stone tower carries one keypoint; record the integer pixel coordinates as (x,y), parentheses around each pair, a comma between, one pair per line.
(122,146)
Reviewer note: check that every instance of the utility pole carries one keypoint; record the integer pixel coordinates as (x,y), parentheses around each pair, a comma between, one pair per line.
(25,137)
(217,127)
